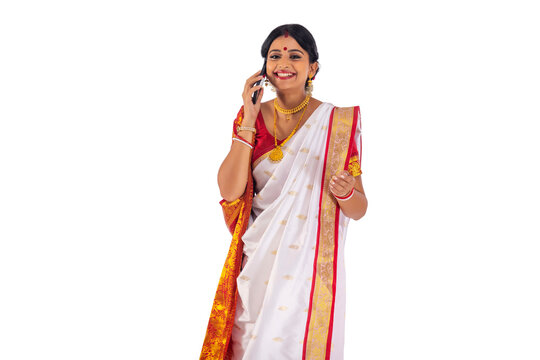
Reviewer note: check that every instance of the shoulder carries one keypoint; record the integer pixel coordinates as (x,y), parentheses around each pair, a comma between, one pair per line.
(353,107)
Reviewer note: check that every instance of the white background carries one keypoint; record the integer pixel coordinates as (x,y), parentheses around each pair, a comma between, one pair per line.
(115,116)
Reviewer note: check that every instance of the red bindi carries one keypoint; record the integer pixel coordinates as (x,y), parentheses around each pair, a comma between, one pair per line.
(285,48)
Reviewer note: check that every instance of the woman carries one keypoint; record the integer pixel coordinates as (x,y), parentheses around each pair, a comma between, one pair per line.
(290,184)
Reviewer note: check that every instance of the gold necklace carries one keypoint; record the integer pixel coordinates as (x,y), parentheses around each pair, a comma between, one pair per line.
(277,154)
(295,109)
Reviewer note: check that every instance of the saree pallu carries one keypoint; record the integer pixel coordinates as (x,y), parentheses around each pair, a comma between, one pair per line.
(290,287)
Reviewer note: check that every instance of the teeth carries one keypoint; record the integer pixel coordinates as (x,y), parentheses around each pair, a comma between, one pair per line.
(284,74)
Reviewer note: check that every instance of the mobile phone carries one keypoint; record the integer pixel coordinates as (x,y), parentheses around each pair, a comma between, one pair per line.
(256,93)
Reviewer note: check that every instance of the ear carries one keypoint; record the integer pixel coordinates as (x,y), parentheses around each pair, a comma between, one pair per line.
(313,68)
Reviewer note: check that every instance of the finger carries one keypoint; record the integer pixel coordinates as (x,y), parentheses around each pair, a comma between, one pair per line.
(255,88)
(250,82)
(254,78)
(349,181)
(341,179)
(338,188)
(260,95)
(344,174)
(347,177)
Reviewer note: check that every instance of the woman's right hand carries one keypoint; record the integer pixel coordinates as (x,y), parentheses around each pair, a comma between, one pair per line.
(252,110)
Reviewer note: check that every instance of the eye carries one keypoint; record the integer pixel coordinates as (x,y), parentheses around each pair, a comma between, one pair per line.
(295,57)
(274,57)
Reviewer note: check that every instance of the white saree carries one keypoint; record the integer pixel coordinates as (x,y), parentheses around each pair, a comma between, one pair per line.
(282,312)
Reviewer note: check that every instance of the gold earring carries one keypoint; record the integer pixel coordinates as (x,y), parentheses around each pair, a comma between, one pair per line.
(266,82)
(309,87)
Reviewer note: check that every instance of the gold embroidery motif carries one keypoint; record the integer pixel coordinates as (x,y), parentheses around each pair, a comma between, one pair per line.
(293,193)
(270,175)
(283,222)
(304,150)
(278,339)
(274,252)
(288,277)
(302,217)
(310,187)
(282,308)
(244,277)
(294,247)
(288,150)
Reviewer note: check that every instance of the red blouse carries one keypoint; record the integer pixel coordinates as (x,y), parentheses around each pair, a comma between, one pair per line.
(264,142)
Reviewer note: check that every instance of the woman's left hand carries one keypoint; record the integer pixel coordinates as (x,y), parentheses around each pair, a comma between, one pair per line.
(342,183)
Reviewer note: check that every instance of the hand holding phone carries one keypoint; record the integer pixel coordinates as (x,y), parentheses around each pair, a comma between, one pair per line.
(256,93)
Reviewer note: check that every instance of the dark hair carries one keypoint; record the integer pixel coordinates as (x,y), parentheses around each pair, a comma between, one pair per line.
(302,36)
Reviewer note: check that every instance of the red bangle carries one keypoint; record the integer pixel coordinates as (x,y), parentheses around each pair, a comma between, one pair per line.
(241,138)
(346,197)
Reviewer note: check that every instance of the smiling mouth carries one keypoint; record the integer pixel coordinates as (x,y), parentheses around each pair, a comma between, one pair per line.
(284,75)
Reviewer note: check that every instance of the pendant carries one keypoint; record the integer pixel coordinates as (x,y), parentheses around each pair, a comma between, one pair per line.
(276,155)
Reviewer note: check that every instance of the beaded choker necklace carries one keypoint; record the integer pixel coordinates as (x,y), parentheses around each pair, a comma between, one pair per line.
(295,109)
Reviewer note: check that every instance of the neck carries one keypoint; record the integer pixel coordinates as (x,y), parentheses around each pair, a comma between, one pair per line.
(289,100)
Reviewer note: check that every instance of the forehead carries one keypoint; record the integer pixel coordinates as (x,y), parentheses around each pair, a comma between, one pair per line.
(283,41)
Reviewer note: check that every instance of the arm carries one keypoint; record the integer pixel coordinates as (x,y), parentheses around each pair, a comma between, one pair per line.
(233,172)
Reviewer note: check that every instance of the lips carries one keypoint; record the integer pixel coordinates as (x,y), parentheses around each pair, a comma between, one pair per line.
(284,75)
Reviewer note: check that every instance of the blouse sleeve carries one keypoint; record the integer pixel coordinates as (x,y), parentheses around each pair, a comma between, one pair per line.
(238,120)
(356,154)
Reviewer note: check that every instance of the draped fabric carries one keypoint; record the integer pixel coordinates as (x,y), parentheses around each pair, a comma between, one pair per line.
(290,287)
(217,340)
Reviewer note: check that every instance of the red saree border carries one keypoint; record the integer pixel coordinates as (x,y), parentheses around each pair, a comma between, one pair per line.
(356,110)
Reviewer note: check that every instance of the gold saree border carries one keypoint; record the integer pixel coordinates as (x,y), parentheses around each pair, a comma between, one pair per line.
(319,325)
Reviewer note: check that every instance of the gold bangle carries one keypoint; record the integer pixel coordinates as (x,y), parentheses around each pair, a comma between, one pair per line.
(252,129)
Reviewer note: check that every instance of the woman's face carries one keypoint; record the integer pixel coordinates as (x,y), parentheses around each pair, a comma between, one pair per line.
(287,64)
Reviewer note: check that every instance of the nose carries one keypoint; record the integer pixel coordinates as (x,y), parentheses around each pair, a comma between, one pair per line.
(283,63)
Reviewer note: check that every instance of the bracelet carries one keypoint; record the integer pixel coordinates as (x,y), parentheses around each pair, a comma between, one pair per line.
(346,197)
(241,138)
(247,128)
(243,142)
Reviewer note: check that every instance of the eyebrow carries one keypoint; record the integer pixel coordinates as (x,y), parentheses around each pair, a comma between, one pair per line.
(300,51)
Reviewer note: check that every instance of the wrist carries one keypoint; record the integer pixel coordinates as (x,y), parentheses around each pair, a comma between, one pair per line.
(346,197)
(247,123)
(246,135)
